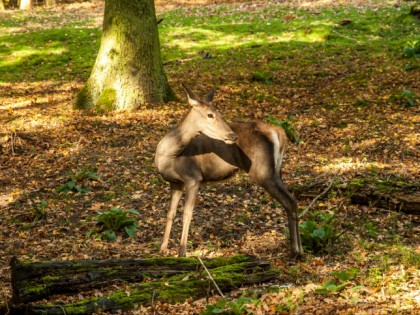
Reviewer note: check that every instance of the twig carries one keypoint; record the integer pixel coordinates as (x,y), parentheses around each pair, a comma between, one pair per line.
(317,197)
(62,308)
(346,37)
(211,278)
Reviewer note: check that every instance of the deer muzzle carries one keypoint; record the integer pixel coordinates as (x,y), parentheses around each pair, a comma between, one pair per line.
(231,138)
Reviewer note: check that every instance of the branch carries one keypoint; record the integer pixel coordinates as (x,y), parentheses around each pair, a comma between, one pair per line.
(317,197)
(211,278)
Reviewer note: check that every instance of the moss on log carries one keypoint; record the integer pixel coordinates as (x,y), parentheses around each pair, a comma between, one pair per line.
(393,193)
(190,282)
(35,281)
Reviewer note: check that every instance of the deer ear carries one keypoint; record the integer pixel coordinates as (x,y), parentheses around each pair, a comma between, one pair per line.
(210,96)
(192,98)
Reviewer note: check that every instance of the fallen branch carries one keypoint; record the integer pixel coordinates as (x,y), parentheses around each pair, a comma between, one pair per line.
(211,278)
(317,197)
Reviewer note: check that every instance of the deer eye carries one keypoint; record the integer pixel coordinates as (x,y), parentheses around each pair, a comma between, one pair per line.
(210,115)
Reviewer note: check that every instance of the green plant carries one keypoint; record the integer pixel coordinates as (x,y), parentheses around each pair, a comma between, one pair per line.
(342,281)
(412,50)
(288,127)
(112,221)
(263,76)
(38,211)
(77,182)
(319,233)
(330,287)
(405,98)
(235,307)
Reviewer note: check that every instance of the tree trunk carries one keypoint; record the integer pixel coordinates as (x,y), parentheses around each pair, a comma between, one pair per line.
(25,4)
(128,70)
(1,5)
(50,3)
(170,280)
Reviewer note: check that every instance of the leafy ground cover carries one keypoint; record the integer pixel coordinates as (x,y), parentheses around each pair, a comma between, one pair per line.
(346,79)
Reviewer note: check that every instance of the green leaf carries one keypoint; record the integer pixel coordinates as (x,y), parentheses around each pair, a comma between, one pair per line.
(319,233)
(131,230)
(133,211)
(110,235)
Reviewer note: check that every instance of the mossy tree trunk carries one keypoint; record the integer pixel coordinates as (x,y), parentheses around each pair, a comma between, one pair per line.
(128,70)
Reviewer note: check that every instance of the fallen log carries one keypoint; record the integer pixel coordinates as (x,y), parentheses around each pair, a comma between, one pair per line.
(407,203)
(387,194)
(169,280)
(39,280)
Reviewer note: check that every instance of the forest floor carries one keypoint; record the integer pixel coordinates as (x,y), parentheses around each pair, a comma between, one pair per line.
(348,73)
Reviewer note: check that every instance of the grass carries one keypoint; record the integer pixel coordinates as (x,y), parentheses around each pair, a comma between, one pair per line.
(54,54)
(231,36)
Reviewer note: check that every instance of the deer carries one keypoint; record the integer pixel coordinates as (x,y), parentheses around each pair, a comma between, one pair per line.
(203,148)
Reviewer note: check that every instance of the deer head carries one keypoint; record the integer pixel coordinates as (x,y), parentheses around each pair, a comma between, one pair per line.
(205,119)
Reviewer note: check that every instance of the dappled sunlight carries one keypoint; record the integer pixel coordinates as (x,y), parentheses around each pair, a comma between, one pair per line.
(18,56)
(331,85)
(352,165)
(187,38)
(346,164)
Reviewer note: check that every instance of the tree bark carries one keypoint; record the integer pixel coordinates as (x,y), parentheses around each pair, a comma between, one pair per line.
(176,279)
(128,70)
(50,3)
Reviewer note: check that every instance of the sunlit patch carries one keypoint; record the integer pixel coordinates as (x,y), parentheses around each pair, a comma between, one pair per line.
(197,38)
(349,164)
(18,56)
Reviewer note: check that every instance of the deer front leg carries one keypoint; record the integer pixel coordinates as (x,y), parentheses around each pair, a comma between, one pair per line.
(176,194)
(191,191)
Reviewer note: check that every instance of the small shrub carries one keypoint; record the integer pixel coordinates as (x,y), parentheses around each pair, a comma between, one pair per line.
(266,77)
(288,127)
(236,307)
(319,233)
(77,182)
(113,221)
(342,281)
(38,211)
(405,98)
(412,50)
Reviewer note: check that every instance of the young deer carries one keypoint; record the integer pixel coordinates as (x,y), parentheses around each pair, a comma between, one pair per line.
(203,148)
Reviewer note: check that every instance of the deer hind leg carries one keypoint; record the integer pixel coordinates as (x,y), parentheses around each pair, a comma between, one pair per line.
(191,191)
(278,190)
(176,194)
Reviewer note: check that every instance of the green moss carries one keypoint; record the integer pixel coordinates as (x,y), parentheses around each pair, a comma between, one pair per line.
(76,309)
(83,98)
(107,100)
(171,261)
(375,183)
(263,76)
(47,279)
(35,289)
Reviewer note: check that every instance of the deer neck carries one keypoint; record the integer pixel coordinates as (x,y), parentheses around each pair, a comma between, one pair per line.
(176,140)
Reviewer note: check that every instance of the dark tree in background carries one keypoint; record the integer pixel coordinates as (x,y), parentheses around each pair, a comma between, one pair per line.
(128,70)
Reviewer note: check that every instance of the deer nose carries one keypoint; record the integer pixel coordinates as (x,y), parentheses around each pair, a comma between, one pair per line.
(232,137)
